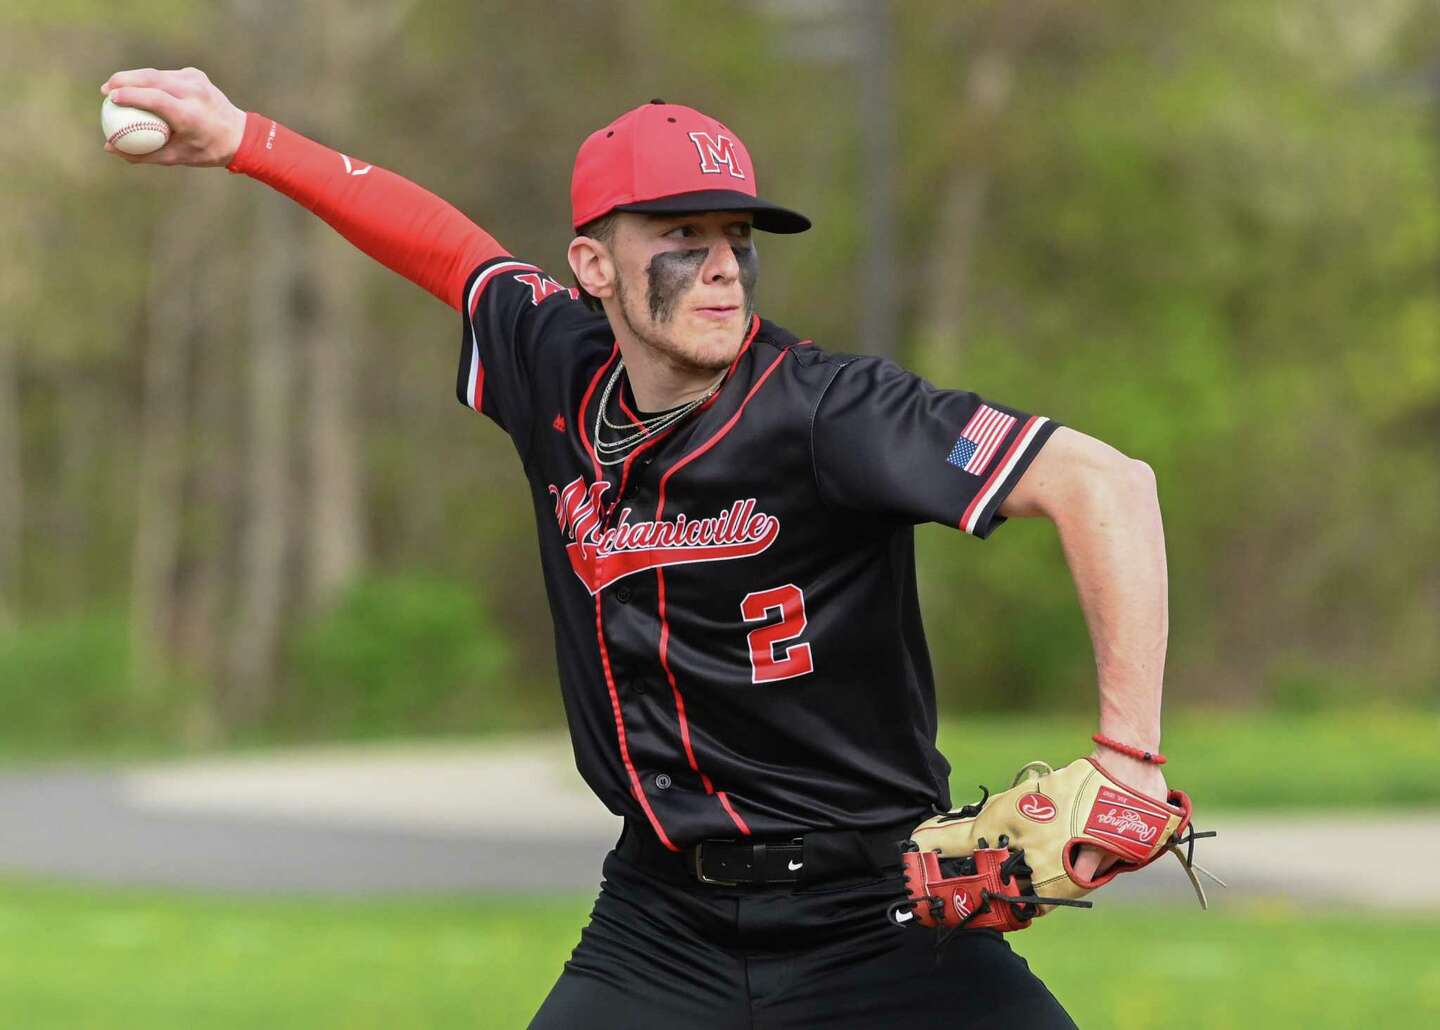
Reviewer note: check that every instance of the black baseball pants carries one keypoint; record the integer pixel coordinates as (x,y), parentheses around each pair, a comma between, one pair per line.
(662,952)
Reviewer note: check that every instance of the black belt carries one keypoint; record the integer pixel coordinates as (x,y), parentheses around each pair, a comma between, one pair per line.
(729,863)
(818,856)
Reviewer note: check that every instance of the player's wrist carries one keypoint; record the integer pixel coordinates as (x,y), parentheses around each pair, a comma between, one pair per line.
(230,140)
(1139,751)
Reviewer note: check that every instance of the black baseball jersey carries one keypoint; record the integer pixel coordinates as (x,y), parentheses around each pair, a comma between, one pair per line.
(736,619)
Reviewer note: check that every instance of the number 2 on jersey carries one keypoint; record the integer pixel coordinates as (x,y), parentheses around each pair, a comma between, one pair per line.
(792,661)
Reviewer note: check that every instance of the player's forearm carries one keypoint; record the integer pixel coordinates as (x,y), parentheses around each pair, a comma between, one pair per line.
(1114,543)
(1108,515)
(404,227)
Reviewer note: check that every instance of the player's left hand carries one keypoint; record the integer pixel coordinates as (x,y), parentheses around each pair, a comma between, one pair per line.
(1144,777)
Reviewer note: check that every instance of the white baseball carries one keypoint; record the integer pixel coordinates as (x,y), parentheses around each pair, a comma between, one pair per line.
(132,130)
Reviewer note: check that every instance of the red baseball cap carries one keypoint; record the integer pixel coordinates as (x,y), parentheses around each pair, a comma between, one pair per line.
(667,158)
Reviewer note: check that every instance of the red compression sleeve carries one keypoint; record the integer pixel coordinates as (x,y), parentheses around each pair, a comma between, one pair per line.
(407,229)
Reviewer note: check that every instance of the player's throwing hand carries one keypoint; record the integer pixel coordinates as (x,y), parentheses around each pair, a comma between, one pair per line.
(205,128)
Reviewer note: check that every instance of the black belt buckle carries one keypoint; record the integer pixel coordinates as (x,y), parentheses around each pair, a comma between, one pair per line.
(700,869)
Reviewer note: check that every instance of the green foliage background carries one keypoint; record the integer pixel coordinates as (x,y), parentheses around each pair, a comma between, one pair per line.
(1207,234)
(419,654)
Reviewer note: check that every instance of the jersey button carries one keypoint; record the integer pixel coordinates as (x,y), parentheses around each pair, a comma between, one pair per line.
(663,781)
(622,594)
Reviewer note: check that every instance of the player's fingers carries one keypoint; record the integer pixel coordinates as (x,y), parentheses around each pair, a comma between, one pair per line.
(191,81)
(178,82)
(1092,862)
(158,101)
(150,78)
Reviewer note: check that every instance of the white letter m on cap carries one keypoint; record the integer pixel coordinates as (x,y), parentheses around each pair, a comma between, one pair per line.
(716,151)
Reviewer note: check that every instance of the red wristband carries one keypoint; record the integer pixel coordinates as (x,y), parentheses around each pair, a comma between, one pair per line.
(1153,757)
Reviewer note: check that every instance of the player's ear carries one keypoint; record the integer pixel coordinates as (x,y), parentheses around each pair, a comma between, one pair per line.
(593,266)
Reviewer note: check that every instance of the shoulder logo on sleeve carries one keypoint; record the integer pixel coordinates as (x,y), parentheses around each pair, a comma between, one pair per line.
(558,424)
(543,287)
(980,440)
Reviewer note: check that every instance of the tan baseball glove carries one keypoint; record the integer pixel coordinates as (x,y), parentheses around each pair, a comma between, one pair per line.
(1008,859)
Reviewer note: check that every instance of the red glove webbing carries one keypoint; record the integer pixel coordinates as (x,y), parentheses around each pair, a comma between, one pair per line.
(407,229)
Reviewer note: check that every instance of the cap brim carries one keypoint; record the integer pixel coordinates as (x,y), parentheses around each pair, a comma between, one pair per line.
(768,217)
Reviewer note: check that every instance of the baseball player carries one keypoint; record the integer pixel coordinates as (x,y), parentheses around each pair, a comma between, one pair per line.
(726,514)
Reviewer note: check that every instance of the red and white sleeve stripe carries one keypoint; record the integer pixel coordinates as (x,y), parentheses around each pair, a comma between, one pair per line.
(475,375)
(1000,476)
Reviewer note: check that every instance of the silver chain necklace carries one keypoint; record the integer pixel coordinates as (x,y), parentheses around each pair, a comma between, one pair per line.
(636,421)
(613,452)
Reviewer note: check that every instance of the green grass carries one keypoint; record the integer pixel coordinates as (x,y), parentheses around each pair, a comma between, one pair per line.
(1256,966)
(100,959)
(75,958)
(1233,760)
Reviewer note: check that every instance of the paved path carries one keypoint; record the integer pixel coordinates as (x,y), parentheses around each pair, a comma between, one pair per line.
(370,820)
(512,817)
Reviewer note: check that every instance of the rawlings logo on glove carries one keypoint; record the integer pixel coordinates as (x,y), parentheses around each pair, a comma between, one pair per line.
(1037,807)
(956,877)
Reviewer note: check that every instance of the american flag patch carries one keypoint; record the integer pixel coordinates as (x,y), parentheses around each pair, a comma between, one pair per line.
(980,439)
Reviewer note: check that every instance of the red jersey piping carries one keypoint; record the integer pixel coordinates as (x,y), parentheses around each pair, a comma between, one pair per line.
(636,790)
(585,403)
(635,419)
(735,816)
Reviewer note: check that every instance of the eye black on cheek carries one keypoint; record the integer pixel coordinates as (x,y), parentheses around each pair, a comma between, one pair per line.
(670,274)
(749,262)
